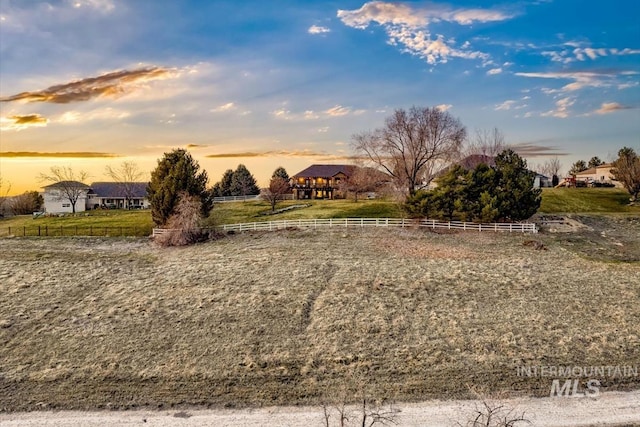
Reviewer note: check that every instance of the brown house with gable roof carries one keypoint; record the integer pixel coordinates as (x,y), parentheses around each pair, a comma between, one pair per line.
(320,181)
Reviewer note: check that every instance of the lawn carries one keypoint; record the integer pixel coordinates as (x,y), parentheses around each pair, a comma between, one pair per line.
(139,223)
(586,200)
(312,316)
(98,222)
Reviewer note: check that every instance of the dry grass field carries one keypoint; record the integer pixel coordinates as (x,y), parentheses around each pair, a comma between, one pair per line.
(309,316)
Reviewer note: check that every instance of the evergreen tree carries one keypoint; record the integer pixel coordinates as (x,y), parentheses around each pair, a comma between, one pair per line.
(578,167)
(280,172)
(595,161)
(177,172)
(222,188)
(516,198)
(243,183)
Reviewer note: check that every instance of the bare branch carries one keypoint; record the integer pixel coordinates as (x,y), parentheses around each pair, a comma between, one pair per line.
(412,145)
(125,176)
(69,185)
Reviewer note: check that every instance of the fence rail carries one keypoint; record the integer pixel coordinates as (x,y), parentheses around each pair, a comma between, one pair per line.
(57,231)
(243,198)
(524,227)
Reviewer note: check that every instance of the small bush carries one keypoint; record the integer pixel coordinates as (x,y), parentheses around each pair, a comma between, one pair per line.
(185,224)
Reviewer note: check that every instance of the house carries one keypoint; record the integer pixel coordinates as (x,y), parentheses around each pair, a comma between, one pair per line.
(598,175)
(99,195)
(542,181)
(320,181)
(118,195)
(57,197)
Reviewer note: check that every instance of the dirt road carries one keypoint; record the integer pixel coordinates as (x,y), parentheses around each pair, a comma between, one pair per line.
(609,409)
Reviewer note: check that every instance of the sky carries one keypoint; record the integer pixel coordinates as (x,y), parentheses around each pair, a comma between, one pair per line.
(92,83)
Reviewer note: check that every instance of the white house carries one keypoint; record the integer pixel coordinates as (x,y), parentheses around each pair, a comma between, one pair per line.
(58,196)
(100,195)
(599,174)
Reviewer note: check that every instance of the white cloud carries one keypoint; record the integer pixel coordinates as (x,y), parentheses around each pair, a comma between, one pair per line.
(407,27)
(581,79)
(562,108)
(316,29)
(581,53)
(338,111)
(101,5)
(506,105)
(611,107)
(494,71)
(71,117)
(225,107)
(444,107)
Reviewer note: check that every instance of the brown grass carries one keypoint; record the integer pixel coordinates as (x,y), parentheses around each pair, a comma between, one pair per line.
(289,317)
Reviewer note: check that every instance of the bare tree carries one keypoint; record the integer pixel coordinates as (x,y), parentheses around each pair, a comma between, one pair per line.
(26,203)
(412,145)
(5,187)
(68,184)
(626,169)
(185,225)
(486,145)
(277,190)
(126,175)
(363,180)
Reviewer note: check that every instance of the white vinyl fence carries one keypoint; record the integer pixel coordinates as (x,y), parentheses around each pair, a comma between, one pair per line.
(243,198)
(521,227)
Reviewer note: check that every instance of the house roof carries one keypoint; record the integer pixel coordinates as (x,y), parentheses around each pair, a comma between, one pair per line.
(116,189)
(66,184)
(589,171)
(324,171)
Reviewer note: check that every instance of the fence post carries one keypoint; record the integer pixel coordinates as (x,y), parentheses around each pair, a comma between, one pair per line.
(480,227)
(46,230)
(9,231)
(91,230)
(510,227)
(330,222)
(38,231)
(24,231)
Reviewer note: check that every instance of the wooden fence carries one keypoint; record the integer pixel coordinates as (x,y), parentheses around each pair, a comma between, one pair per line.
(522,227)
(57,231)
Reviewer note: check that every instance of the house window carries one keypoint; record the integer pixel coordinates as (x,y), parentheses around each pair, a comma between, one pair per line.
(66,205)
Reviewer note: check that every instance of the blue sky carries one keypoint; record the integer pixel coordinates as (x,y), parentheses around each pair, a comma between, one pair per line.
(87,83)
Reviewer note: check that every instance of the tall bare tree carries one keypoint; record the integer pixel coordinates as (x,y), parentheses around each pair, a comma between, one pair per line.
(69,185)
(412,145)
(125,175)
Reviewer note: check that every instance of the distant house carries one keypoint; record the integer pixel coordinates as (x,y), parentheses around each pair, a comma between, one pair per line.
(320,181)
(57,196)
(118,195)
(598,175)
(99,195)
(542,181)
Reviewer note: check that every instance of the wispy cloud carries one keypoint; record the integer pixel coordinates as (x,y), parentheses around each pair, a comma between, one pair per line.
(70,154)
(73,117)
(192,146)
(225,107)
(532,149)
(581,79)
(562,108)
(494,71)
(283,153)
(316,29)
(101,5)
(335,111)
(408,27)
(444,107)
(21,122)
(611,107)
(574,51)
(506,105)
(110,84)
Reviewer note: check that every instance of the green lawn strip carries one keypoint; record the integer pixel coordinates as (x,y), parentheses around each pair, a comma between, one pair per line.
(586,200)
